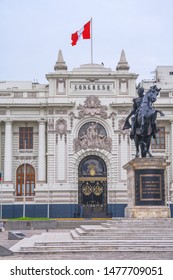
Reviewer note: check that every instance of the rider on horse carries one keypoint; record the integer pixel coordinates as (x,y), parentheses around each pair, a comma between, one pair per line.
(136,104)
(144,120)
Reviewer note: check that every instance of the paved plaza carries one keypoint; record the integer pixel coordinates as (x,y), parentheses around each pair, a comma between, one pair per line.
(77,255)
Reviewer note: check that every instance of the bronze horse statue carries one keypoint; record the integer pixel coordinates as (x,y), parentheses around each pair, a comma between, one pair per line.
(145,122)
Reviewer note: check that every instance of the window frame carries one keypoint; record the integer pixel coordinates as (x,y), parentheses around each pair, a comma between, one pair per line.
(159,143)
(26,134)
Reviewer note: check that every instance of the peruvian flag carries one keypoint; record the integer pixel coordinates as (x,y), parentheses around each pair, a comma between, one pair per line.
(83,33)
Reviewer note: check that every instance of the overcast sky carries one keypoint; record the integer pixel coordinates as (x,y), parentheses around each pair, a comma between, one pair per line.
(32,32)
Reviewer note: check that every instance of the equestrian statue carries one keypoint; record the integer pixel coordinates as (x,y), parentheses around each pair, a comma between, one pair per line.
(143,122)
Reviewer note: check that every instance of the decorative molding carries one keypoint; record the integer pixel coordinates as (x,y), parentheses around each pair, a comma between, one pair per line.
(112,115)
(50,111)
(60,85)
(123,86)
(18,94)
(2,112)
(60,112)
(120,127)
(50,124)
(5,94)
(123,111)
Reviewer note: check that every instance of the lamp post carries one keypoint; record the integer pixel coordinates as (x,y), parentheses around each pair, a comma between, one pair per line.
(24,179)
(168,194)
(48,203)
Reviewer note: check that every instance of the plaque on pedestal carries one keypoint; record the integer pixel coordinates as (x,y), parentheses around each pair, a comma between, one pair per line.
(146,188)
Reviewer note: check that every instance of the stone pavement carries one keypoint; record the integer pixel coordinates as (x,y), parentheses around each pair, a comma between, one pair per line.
(78,255)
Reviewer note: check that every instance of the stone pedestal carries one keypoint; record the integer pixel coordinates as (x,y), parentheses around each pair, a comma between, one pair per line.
(146,188)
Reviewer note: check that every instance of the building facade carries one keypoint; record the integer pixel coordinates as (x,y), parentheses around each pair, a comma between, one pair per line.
(62,144)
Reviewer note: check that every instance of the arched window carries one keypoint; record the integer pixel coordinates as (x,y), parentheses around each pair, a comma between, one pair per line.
(25,173)
(92,166)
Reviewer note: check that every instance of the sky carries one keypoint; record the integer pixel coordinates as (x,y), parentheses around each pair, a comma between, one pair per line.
(33,31)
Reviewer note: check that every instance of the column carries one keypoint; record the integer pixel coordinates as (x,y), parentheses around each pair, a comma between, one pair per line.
(8,152)
(42,152)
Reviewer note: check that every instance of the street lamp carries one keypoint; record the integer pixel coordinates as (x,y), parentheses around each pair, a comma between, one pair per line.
(48,203)
(24,179)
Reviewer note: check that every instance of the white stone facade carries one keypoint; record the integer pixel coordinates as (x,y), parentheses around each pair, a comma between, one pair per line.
(56,112)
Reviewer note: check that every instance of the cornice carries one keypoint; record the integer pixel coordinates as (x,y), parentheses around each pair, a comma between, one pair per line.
(43,105)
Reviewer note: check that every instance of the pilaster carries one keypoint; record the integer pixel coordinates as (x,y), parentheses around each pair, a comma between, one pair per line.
(8,152)
(42,152)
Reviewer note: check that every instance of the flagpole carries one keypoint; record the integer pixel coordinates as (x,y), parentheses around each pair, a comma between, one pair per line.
(91,42)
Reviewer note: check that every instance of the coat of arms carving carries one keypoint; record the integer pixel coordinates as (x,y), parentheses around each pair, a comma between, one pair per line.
(92,106)
(61,127)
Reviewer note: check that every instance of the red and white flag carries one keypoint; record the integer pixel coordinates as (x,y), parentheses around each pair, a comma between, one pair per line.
(83,33)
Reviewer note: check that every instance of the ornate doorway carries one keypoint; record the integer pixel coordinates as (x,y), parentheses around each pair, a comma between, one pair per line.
(93,187)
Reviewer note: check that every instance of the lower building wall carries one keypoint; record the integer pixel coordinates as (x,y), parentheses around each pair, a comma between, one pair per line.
(171,210)
(59,210)
(40,210)
(116,210)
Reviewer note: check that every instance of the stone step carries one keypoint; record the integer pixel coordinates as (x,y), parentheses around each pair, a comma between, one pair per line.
(127,232)
(115,236)
(98,247)
(138,221)
(131,220)
(120,230)
(130,226)
(75,235)
(141,225)
(105,242)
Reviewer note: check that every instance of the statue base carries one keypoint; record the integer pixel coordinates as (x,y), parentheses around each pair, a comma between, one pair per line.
(146,188)
(147,212)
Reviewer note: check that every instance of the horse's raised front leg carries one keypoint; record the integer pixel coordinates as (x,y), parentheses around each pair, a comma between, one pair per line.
(160,112)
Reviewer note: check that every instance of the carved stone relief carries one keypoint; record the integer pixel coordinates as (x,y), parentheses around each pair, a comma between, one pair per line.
(92,135)
(61,127)
(92,106)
